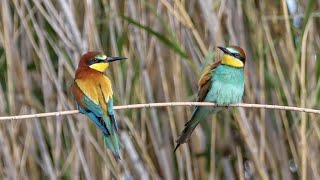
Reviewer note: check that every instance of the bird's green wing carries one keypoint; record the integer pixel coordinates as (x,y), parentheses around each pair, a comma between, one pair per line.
(89,108)
(93,107)
(85,99)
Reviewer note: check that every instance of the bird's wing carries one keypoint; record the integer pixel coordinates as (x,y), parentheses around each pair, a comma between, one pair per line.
(94,99)
(87,97)
(205,81)
(90,108)
(111,114)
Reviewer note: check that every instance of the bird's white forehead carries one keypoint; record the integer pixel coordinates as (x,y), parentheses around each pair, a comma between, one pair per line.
(101,57)
(232,50)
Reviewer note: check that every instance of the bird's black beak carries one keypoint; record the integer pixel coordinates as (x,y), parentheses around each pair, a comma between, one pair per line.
(225,50)
(111,59)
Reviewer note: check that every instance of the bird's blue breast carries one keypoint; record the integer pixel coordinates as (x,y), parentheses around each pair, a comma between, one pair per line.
(227,85)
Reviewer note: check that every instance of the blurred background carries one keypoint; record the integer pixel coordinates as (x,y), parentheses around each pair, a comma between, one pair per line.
(167,43)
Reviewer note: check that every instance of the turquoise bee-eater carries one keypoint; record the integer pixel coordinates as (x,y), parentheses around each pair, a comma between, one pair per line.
(221,83)
(92,91)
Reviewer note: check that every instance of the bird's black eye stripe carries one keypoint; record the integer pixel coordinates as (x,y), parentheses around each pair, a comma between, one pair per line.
(237,55)
(93,61)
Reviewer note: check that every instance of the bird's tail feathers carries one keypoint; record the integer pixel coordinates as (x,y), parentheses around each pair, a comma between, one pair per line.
(112,141)
(186,133)
(199,114)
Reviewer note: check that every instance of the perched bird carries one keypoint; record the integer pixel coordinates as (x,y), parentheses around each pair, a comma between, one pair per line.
(221,83)
(92,91)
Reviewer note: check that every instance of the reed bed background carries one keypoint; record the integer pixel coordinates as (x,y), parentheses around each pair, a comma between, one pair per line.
(167,43)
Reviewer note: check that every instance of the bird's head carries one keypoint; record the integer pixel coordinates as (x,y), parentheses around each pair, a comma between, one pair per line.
(97,61)
(234,56)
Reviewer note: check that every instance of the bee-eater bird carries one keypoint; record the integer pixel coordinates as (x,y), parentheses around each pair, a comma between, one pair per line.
(221,83)
(92,92)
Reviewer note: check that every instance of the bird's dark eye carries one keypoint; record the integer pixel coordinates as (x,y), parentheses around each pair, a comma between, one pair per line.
(236,55)
(92,61)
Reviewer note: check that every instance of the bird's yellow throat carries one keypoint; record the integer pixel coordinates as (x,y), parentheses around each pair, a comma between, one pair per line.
(101,67)
(231,61)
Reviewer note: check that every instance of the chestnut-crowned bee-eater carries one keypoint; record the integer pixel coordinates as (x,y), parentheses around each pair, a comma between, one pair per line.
(92,91)
(221,83)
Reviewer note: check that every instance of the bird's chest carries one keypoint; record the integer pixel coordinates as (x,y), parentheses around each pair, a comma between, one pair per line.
(227,86)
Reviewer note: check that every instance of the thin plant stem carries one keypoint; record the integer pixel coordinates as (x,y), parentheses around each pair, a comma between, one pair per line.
(167,104)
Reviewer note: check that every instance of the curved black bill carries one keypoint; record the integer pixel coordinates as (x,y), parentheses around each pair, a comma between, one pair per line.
(111,59)
(225,50)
